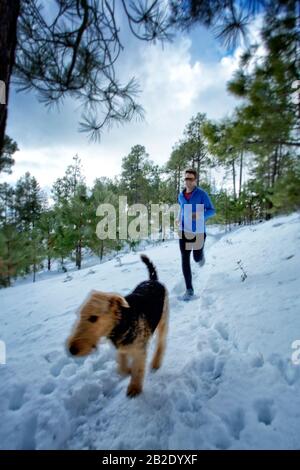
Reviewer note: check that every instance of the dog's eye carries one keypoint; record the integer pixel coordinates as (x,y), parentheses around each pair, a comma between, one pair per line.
(93,318)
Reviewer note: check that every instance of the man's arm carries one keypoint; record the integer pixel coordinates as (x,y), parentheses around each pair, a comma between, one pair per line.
(209,209)
(178,215)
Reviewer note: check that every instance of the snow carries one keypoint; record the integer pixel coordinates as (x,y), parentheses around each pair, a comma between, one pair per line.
(227,380)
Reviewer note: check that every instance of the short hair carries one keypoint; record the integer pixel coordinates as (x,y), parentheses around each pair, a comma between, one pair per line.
(191,170)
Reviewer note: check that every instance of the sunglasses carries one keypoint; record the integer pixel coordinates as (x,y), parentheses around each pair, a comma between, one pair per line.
(189,179)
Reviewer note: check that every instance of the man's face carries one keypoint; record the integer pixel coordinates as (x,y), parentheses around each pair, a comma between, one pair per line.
(190,181)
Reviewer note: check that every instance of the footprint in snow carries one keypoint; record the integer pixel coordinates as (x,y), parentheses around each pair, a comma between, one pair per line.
(257,360)
(48,388)
(264,408)
(52,356)
(222,330)
(17,397)
(290,373)
(235,422)
(56,369)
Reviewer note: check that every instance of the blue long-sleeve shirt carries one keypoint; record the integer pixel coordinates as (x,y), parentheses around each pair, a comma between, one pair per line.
(199,196)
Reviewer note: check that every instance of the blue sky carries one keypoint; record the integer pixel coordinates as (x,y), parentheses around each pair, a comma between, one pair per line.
(177,81)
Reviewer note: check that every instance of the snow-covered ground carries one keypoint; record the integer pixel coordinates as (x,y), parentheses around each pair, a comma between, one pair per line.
(227,380)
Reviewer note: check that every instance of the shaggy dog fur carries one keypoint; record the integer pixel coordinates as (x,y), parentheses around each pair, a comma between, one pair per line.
(128,322)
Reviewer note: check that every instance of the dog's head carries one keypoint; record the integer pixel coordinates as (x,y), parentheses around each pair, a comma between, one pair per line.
(98,316)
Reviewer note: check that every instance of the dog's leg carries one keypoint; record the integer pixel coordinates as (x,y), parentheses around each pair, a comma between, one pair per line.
(137,373)
(162,330)
(123,366)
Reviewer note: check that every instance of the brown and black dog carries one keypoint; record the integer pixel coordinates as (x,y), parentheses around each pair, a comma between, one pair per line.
(128,322)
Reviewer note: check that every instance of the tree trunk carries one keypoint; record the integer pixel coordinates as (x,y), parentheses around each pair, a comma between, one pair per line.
(78,255)
(269,206)
(241,174)
(174,182)
(34,265)
(48,255)
(269,171)
(178,180)
(275,167)
(8,281)
(9,13)
(233,179)
(280,161)
(226,211)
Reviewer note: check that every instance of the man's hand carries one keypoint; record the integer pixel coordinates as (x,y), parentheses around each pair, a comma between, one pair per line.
(195,216)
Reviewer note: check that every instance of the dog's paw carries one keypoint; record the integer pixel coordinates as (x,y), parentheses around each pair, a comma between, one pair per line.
(155,365)
(133,390)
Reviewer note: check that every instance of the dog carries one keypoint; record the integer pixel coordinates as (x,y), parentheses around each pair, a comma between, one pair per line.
(128,322)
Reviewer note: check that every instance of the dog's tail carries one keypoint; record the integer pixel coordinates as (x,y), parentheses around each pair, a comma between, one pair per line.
(151,268)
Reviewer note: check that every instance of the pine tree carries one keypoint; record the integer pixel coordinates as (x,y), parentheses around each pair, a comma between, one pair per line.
(195,145)
(104,191)
(70,196)
(6,155)
(29,200)
(13,254)
(29,204)
(47,225)
(136,169)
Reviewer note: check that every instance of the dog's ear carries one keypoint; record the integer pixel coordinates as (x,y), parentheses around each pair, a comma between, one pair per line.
(119,300)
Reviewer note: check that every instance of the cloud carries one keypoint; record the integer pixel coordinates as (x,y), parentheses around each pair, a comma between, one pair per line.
(176,83)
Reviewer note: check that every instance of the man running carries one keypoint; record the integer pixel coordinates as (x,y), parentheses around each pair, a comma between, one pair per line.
(191,225)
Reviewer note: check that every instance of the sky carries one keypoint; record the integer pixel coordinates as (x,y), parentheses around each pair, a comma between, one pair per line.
(177,80)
